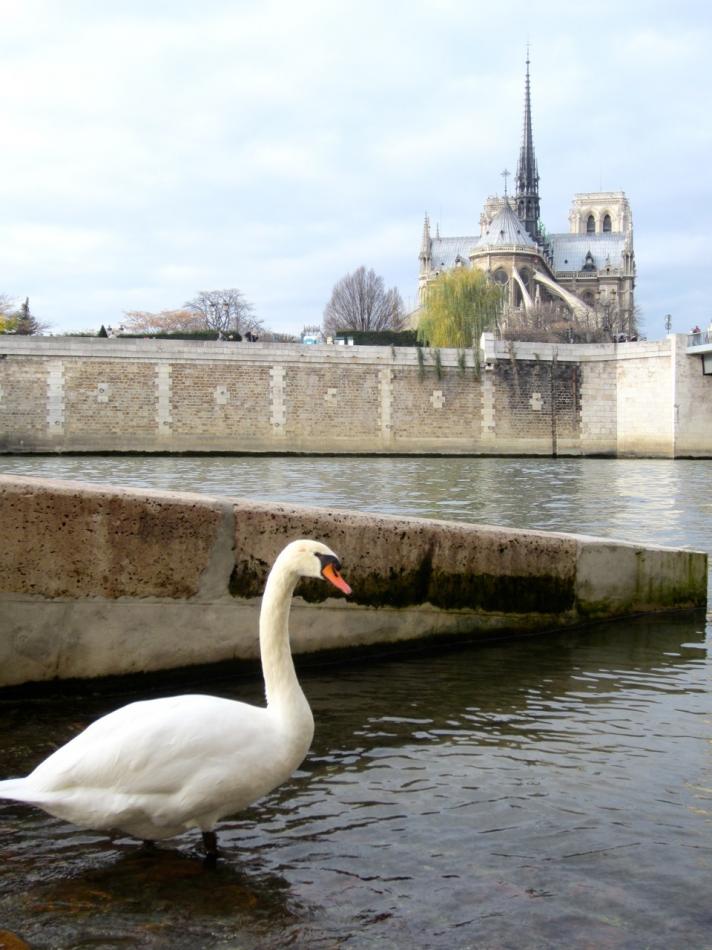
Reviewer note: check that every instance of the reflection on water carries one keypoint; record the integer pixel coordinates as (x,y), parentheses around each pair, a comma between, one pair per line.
(549,792)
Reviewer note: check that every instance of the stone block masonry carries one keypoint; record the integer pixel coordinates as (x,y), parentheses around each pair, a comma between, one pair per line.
(116,395)
(385,405)
(278,414)
(163,400)
(55,398)
(97,581)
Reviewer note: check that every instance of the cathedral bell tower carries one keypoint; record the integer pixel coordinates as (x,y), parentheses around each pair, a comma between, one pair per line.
(527,196)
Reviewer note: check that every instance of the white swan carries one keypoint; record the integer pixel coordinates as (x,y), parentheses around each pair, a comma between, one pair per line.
(153,769)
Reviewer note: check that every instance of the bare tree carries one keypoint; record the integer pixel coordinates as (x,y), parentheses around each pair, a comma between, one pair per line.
(618,323)
(167,321)
(226,311)
(554,322)
(360,301)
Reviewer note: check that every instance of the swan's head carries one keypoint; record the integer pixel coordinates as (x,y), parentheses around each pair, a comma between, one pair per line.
(313,559)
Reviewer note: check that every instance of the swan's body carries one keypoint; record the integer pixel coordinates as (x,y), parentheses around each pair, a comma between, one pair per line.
(153,769)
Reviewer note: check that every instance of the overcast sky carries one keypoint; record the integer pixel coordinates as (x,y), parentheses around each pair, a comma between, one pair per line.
(154,149)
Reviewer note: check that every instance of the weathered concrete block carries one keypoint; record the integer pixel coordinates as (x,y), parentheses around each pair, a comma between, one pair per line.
(64,540)
(100,580)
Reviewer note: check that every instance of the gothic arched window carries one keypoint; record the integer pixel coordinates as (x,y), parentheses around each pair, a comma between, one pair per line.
(591,225)
(607,222)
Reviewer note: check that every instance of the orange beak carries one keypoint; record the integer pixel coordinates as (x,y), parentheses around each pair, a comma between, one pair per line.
(332,575)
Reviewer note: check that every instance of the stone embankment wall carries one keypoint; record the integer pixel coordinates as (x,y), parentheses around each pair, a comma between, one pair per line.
(93,395)
(97,581)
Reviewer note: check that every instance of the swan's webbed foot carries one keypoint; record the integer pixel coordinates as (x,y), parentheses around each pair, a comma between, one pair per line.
(210,843)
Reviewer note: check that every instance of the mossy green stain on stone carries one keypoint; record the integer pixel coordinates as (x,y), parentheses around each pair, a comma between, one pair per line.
(544,594)
(490,592)
(248,579)
(425,585)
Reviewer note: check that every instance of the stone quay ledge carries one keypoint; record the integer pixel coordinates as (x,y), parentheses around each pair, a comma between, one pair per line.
(644,399)
(99,580)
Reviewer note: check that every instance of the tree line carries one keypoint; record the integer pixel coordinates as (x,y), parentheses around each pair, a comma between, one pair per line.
(358,302)
(459,305)
(224,312)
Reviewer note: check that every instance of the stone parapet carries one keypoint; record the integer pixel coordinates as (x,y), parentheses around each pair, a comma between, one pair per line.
(574,352)
(211,350)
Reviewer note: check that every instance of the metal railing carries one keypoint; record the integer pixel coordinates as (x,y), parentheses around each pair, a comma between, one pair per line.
(699,339)
(587,274)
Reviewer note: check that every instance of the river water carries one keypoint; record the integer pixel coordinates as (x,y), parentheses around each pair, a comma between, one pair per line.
(554,792)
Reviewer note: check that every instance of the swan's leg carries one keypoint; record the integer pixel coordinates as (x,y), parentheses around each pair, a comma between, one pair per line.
(210,843)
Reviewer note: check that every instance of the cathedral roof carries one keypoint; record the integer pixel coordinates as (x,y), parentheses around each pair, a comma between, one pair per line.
(505,228)
(570,250)
(444,252)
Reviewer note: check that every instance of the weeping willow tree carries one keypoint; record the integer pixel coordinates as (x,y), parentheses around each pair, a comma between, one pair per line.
(459,306)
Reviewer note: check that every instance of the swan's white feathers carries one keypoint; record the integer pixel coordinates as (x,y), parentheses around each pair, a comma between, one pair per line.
(150,746)
(157,767)
(173,759)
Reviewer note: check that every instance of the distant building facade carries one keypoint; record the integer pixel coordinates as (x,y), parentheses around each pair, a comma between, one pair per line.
(589,270)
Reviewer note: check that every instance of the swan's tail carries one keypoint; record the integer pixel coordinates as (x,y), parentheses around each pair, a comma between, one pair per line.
(16,789)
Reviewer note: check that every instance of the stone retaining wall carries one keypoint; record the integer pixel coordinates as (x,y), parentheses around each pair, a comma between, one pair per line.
(96,395)
(64,394)
(97,581)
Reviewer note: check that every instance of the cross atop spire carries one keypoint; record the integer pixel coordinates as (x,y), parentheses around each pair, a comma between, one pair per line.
(505,174)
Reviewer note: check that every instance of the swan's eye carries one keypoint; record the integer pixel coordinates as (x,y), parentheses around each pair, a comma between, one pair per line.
(330,571)
(326,559)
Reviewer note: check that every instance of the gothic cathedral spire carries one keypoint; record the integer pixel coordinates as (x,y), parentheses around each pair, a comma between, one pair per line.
(527,174)
(426,246)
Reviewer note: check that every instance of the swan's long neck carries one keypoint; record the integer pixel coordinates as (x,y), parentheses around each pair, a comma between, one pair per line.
(284,694)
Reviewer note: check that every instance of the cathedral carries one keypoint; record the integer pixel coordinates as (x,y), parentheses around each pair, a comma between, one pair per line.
(588,272)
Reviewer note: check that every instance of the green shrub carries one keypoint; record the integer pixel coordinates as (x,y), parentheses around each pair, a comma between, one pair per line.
(182,335)
(379,337)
